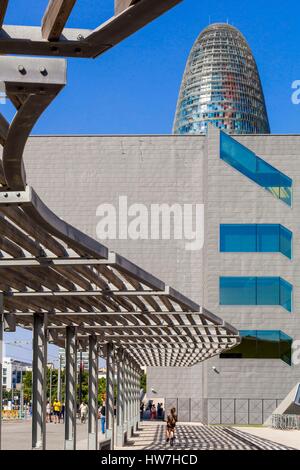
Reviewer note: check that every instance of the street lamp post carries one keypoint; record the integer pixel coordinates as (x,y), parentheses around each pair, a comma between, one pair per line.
(59,379)
(80,379)
(50,365)
(22,395)
(50,393)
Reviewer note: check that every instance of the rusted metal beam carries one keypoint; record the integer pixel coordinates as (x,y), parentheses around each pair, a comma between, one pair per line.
(55,18)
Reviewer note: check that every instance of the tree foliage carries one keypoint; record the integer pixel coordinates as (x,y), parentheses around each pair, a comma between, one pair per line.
(27,384)
(143,382)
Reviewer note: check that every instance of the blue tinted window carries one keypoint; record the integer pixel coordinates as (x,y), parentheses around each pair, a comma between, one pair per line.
(265,344)
(268,291)
(268,344)
(255,168)
(285,241)
(264,238)
(238,238)
(238,291)
(286,292)
(268,238)
(256,291)
(285,348)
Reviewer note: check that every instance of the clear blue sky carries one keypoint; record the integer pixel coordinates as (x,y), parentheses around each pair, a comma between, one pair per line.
(133,88)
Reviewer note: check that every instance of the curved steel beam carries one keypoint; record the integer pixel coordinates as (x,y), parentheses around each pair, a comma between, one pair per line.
(75,239)
(32,86)
(25,119)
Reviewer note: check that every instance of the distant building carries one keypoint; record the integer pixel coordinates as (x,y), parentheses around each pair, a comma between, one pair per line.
(102,373)
(221,86)
(12,372)
(82,357)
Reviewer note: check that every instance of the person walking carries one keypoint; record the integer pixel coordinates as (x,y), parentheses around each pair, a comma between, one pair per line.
(56,411)
(142,407)
(153,412)
(62,413)
(102,417)
(171,426)
(83,412)
(48,413)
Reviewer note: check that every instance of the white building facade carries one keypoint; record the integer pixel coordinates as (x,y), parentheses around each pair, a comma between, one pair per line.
(13,370)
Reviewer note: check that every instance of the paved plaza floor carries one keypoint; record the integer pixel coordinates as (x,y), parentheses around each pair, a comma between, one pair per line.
(198,437)
(151,436)
(16,435)
(289,438)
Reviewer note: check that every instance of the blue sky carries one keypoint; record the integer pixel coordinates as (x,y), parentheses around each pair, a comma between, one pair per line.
(133,88)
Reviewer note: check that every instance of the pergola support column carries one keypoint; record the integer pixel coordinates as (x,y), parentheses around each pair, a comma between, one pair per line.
(110,402)
(70,387)
(125,363)
(133,398)
(128,420)
(39,381)
(137,399)
(130,400)
(93,394)
(120,399)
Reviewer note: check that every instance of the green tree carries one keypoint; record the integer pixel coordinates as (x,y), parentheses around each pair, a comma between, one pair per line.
(143,382)
(27,386)
(101,390)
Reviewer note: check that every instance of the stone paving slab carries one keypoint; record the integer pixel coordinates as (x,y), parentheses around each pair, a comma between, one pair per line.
(286,437)
(198,437)
(151,436)
(16,435)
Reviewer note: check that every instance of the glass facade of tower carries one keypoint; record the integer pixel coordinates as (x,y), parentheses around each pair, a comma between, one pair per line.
(221,85)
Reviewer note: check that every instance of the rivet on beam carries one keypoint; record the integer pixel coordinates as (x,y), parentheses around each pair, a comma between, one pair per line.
(43,71)
(22,69)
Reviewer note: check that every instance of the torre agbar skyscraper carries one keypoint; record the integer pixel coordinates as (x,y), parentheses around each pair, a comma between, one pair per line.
(221,85)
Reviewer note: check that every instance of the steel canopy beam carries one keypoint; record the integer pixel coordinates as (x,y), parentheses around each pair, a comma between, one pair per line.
(4,126)
(121,5)
(55,18)
(28,40)
(3,8)
(44,79)
(129,21)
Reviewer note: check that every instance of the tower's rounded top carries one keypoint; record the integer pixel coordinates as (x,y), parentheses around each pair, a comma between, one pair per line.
(222,28)
(221,85)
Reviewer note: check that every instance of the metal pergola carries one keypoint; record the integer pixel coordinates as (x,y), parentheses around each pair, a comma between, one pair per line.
(63,285)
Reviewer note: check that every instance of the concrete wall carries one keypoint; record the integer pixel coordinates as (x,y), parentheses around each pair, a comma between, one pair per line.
(74,175)
(233,198)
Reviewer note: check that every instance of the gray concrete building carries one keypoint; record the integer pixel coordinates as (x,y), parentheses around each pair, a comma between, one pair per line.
(76,174)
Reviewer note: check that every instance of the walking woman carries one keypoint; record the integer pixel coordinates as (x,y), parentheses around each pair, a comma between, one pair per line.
(153,412)
(171,425)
